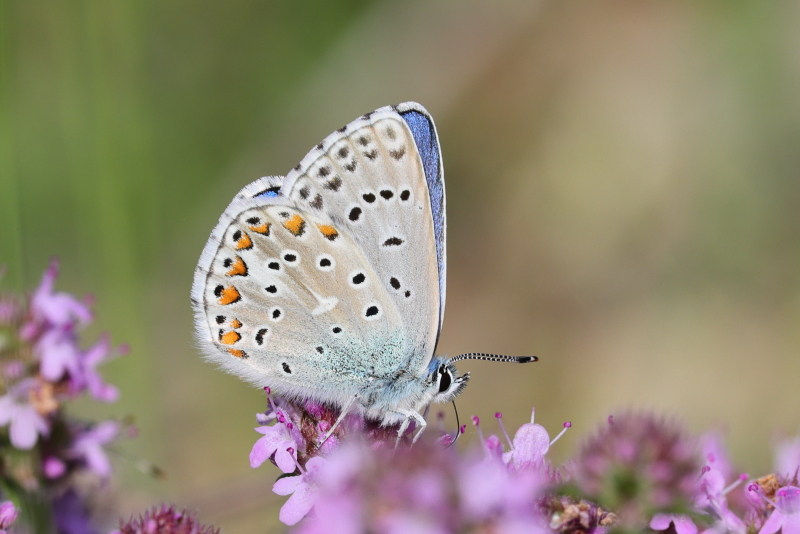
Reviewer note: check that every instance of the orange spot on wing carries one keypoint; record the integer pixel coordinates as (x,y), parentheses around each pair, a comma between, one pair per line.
(238,353)
(229,295)
(328,231)
(236,323)
(262,229)
(239,268)
(295,224)
(244,242)
(229,338)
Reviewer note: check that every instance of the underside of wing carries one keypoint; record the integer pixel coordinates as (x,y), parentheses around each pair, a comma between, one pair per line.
(370,178)
(289,300)
(318,283)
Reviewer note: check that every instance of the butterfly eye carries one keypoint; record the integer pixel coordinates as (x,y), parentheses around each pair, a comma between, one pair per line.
(445,379)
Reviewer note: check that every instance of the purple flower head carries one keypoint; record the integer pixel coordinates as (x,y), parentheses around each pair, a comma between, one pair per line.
(638,466)
(46,368)
(427,487)
(25,422)
(307,426)
(165,519)
(51,328)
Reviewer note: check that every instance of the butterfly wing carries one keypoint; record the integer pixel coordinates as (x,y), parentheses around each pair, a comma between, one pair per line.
(320,282)
(381,175)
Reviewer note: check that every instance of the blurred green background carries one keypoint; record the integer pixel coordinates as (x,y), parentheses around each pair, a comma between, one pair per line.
(623,191)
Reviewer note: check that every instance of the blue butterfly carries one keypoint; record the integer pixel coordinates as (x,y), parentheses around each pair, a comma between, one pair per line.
(328,284)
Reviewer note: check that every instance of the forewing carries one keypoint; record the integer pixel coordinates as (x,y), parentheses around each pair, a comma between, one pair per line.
(370,178)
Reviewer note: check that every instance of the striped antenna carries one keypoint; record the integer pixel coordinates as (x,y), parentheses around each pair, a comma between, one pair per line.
(494,358)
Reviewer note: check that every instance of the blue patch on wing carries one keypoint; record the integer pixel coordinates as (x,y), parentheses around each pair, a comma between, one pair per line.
(271,192)
(424,133)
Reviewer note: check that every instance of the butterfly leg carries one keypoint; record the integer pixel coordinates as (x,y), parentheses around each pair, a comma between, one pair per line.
(418,419)
(345,409)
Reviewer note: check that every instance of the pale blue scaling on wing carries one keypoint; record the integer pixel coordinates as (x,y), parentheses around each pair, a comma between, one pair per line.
(427,142)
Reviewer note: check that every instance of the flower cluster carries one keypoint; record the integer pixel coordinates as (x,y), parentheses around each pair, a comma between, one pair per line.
(637,472)
(359,481)
(165,519)
(637,465)
(43,365)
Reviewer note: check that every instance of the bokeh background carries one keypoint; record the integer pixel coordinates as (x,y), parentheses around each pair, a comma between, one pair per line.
(623,186)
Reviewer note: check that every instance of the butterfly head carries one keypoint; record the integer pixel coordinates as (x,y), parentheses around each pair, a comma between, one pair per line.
(444,380)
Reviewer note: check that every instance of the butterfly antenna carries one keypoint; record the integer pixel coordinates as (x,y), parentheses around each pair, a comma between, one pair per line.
(458,426)
(494,358)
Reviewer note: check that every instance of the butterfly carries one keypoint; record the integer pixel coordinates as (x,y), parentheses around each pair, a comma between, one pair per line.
(328,284)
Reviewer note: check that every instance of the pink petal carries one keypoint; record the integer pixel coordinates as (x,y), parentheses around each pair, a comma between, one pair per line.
(285,461)
(661,522)
(26,424)
(791,524)
(58,354)
(105,432)
(531,443)
(98,352)
(787,457)
(287,485)
(260,452)
(23,432)
(297,507)
(97,460)
(684,525)
(772,524)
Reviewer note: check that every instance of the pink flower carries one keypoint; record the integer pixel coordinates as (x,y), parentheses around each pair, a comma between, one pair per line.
(165,519)
(277,440)
(59,353)
(712,496)
(786,515)
(25,423)
(88,446)
(715,454)
(303,490)
(57,309)
(531,443)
